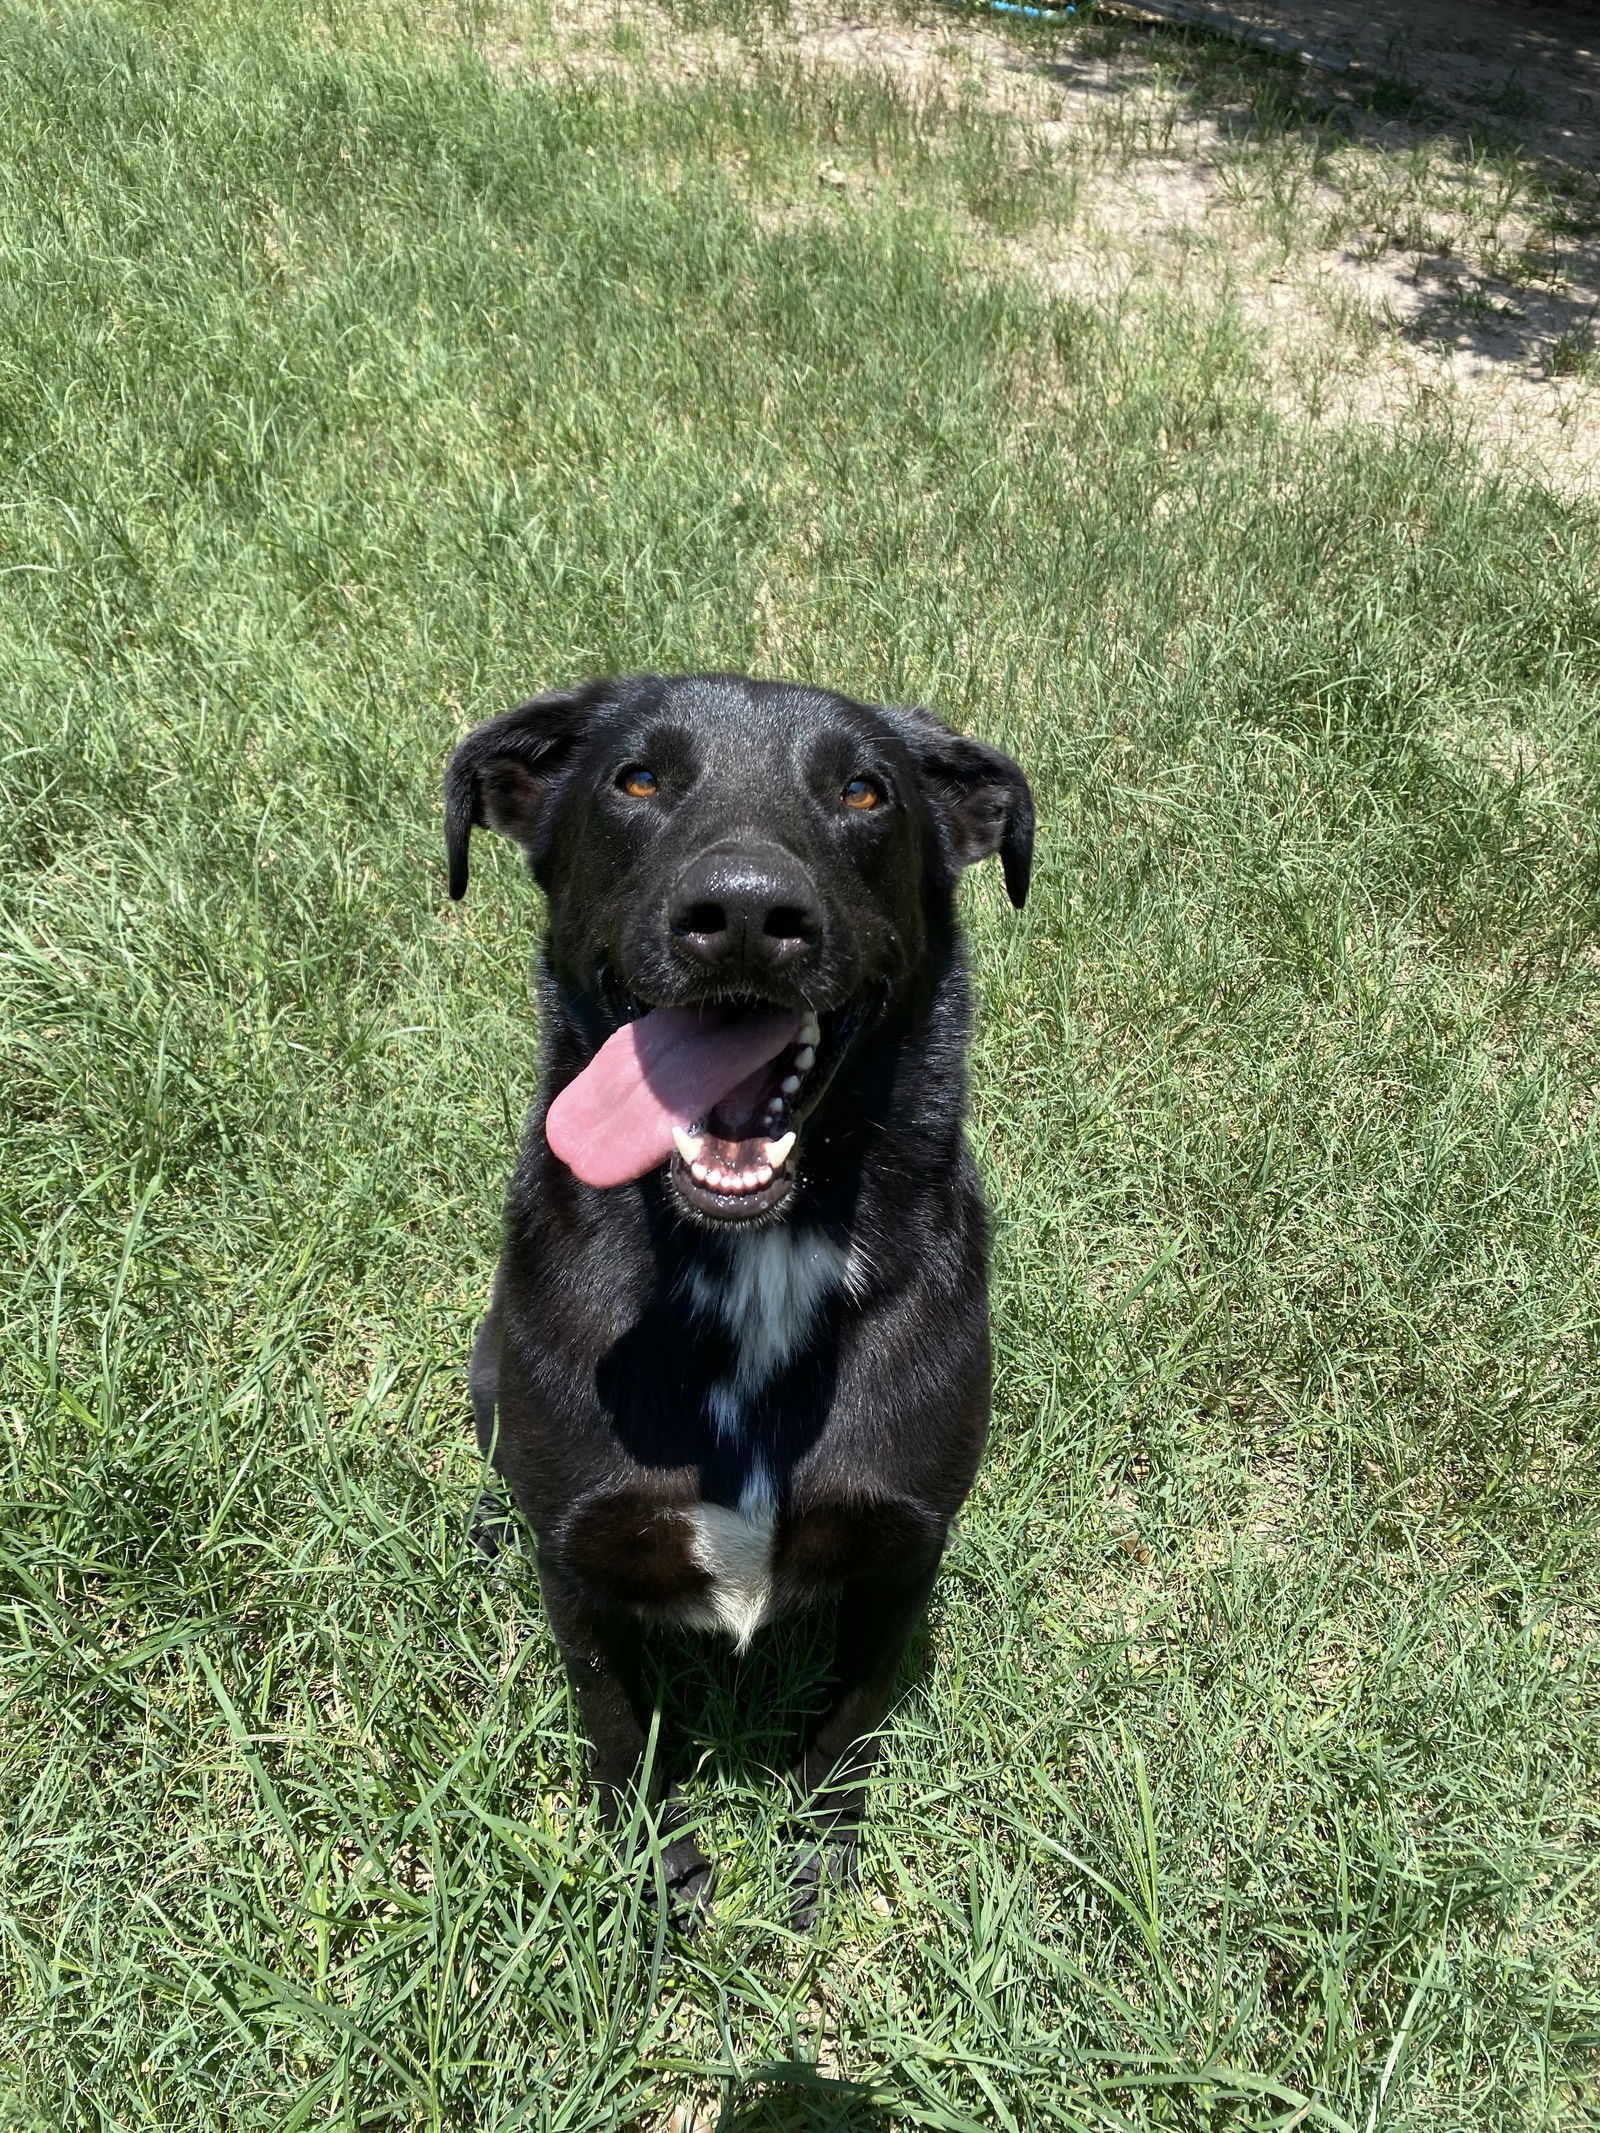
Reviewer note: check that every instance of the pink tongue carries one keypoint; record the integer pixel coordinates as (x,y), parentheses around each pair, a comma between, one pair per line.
(670,1068)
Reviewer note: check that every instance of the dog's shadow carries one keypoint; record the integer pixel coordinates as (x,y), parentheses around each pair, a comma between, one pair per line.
(792,2097)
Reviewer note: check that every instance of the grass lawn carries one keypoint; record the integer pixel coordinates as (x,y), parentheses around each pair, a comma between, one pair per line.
(355,381)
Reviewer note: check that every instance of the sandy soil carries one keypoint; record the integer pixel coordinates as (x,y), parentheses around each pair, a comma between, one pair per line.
(1439,306)
(1530,67)
(1441,269)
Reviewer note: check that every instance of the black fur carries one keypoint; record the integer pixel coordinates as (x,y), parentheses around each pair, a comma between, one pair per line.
(592,1372)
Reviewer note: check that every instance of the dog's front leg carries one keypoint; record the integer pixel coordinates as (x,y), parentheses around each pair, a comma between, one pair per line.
(876,1621)
(604,1654)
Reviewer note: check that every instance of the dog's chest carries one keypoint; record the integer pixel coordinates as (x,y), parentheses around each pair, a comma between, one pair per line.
(734,1549)
(766,1292)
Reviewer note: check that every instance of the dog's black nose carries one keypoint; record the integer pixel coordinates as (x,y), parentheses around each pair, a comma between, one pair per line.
(746,909)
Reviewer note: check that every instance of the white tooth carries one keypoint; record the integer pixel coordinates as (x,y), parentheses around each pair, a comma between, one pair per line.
(689,1145)
(810,1031)
(763,1173)
(698,1172)
(778,1151)
(805,1059)
(714,1177)
(789,1084)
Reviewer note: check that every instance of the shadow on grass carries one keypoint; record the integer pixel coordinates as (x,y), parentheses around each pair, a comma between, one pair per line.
(791,2097)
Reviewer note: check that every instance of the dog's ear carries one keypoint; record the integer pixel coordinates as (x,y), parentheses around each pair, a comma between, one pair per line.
(501,774)
(980,794)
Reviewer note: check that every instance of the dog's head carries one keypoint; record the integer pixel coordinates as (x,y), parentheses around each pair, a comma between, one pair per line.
(767,862)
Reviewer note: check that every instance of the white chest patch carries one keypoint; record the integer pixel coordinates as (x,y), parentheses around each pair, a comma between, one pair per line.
(767,1294)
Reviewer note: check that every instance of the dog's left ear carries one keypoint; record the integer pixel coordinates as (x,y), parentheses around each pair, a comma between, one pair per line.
(501,774)
(981,795)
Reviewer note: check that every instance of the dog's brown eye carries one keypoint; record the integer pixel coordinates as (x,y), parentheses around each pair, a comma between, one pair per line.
(641,783)
(862,793)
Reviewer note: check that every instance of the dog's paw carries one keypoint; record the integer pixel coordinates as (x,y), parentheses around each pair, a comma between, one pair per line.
(493,1526)
(690,1880)
(831,1865)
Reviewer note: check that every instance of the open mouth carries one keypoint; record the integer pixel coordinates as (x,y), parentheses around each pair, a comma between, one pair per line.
(718,1092)
(736,1162)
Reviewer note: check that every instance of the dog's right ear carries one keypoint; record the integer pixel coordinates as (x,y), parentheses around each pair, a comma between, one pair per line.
(501,774)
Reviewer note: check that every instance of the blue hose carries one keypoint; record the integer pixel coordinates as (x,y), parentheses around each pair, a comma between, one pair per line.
(1015,7)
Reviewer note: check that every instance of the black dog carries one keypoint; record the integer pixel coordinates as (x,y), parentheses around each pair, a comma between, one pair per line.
(738,1352)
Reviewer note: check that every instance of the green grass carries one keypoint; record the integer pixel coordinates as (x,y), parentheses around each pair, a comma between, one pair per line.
(1247,1777)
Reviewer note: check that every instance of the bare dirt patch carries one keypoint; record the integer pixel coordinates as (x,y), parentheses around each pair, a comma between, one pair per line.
(1412,231)
(1529,68)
